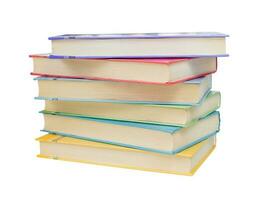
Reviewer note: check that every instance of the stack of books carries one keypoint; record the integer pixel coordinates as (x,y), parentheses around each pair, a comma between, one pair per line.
(139,101)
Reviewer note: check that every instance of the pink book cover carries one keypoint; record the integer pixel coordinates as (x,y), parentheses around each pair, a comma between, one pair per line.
(165,61)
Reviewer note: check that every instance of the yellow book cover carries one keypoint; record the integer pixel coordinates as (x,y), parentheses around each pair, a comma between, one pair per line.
(71,149)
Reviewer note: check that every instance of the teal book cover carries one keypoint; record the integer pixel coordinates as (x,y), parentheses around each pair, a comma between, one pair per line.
(166,129)
(193,81)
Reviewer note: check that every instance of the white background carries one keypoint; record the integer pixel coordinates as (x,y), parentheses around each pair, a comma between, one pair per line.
(234,170)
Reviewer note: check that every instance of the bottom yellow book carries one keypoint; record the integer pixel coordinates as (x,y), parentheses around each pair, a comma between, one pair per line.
(71,149)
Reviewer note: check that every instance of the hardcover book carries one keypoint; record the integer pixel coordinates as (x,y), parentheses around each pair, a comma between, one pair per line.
(186,93)
(159,71)
(70,149)
(147,113)
(139,45)
(150,137)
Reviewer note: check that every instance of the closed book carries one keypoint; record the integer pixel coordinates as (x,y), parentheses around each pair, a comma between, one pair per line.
(147,113)
(71,149)
(157,71)
(141,45)
(163,139)
(186,93)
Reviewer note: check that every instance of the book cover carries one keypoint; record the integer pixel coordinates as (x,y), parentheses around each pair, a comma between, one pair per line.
(72,142)
(167,129)
(164,61)
(120,38)
(140,35)
(193,81)
(56,56)
(144,60)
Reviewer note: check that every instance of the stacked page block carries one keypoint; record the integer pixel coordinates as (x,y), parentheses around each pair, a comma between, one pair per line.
(138,101)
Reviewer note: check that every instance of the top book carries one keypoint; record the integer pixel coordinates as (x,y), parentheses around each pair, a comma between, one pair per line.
(139,45)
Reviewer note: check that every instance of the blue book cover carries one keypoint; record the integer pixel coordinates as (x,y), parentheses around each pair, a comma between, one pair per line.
(140,35)
(166,129)
(139,45)
(193,81)
(172,129)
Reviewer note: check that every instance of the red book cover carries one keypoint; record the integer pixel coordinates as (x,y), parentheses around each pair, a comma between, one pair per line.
(165,61)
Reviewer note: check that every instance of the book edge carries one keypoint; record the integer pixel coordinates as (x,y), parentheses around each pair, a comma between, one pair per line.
(192,172)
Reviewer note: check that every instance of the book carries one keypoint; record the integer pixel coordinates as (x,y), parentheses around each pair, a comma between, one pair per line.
(76,150)
(139,45)
(186,93)
(150,137)
(160,71)
(147,113)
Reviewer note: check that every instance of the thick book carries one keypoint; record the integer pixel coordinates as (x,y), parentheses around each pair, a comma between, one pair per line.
(76,150)
(141,45)
(187,93)
(160,71)
(163,139)
(147,113)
